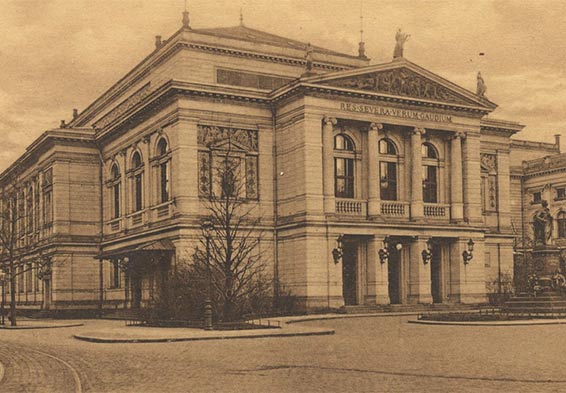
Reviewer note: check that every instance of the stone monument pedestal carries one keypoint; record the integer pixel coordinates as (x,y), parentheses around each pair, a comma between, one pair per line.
(546,262)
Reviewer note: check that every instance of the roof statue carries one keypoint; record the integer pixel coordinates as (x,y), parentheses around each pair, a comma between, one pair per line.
(400,39)
(481,87)
(308,57)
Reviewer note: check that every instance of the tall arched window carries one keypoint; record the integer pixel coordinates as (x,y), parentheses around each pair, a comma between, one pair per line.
(561,222)
(430,173)
(388,170)
(115,186)
(344,156)
(163,158)
(137,186)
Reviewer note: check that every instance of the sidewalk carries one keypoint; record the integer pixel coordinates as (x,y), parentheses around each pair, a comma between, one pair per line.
(25,323)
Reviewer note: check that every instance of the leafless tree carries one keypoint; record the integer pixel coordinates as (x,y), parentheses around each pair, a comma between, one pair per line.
(235,270)
(18,222)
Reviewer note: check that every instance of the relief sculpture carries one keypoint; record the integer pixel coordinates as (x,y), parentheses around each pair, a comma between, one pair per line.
(401,81)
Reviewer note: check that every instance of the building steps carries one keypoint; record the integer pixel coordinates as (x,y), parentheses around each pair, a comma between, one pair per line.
(373,309)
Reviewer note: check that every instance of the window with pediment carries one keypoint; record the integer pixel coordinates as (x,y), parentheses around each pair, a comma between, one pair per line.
(431,164)
(228,162)
(344,170)
(561,223)
(388,166)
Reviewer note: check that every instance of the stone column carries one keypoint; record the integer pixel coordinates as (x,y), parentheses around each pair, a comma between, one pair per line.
(417,206)
(374,203)
(378,278)
(456,186)
(328,124)
(472,179)
(503,191)
(419,273)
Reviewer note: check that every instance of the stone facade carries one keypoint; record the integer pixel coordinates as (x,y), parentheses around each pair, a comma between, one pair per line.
(370,180)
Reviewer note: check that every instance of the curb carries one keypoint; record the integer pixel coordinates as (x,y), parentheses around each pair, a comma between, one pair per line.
(501,323)
(196,338)
(40,327)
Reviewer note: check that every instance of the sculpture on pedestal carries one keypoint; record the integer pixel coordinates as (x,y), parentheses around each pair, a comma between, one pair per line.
(481,87)
(542,225)
(400,38)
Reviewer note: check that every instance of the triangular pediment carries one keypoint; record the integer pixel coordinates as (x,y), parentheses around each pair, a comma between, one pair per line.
(402,78)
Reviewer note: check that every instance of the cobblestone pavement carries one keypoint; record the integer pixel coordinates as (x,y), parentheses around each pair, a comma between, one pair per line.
(365,355)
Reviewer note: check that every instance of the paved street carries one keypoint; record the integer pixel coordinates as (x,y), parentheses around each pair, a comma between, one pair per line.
(365,355)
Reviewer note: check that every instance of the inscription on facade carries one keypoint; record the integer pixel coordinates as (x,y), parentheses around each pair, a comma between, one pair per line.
(129,103)
(394,112)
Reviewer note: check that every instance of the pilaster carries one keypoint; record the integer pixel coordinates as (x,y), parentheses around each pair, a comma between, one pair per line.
(503,191)
(328,124)
(472,179)
(419,273)
(417,205)
(377,273)
(456,186)
(374,202)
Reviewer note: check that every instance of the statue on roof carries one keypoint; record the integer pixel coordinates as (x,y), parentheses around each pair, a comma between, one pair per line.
(309,57)
(481,87)
(400,39)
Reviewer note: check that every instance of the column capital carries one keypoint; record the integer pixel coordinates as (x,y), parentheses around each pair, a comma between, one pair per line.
(327,120)
(376,126)
(419,130)
(459,135)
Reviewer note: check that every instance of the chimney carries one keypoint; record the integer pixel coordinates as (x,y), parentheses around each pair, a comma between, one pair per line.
(158,42)
(75,113)
(63,124)
(557,142)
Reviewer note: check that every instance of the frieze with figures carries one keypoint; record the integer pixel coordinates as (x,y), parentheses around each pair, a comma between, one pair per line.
(402,82)
(213,135)
(122,108)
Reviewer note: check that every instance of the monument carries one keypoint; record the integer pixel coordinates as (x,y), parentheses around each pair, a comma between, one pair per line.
(546,256)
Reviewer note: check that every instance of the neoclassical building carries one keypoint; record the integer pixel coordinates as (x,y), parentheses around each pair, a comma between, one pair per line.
(376,184)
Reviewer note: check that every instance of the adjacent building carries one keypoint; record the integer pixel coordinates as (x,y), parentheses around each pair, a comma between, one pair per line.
(375,184)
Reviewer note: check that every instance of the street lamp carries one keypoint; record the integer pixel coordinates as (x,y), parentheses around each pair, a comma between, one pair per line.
(467,255)
(427,253)
(3,282)
(207,227)
(338,251)
(383,252)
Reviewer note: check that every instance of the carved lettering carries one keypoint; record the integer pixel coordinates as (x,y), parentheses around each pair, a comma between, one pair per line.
(394,112)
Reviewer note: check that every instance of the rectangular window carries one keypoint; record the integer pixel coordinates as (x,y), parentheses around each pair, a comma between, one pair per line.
(388,181)
(430,184)
(47,208)
(115,275)
(29,278)
(164,181)
(138,192)
(116,200)
(560,194)
(537,197)
(344,175)
(20,279)
(487,259)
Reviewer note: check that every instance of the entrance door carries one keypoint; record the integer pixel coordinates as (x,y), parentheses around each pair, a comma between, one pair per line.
(349,273)
(436,274)
(46,294)
(136,291)
(394,275)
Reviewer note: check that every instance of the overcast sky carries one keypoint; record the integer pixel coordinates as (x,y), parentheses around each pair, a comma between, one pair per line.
(56,55)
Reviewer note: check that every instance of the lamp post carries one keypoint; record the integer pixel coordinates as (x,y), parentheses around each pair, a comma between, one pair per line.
(338,251)
(3,282)
(207,228)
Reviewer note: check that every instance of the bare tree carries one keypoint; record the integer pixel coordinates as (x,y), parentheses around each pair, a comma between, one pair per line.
(18,222)
(235,269)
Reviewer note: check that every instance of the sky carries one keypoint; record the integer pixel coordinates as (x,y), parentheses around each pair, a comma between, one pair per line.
(57,55)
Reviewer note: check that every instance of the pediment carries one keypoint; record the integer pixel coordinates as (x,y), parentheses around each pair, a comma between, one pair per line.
(404,80)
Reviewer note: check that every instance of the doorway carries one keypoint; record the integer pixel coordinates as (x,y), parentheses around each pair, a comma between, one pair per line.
(350,273)
(436,275)
(394,275)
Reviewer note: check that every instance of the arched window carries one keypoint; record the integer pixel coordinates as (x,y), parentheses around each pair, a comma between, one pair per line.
(344,156)
(561,222)
(388,170)
(115,186)
(137,168)
(163,171)
(430,173)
